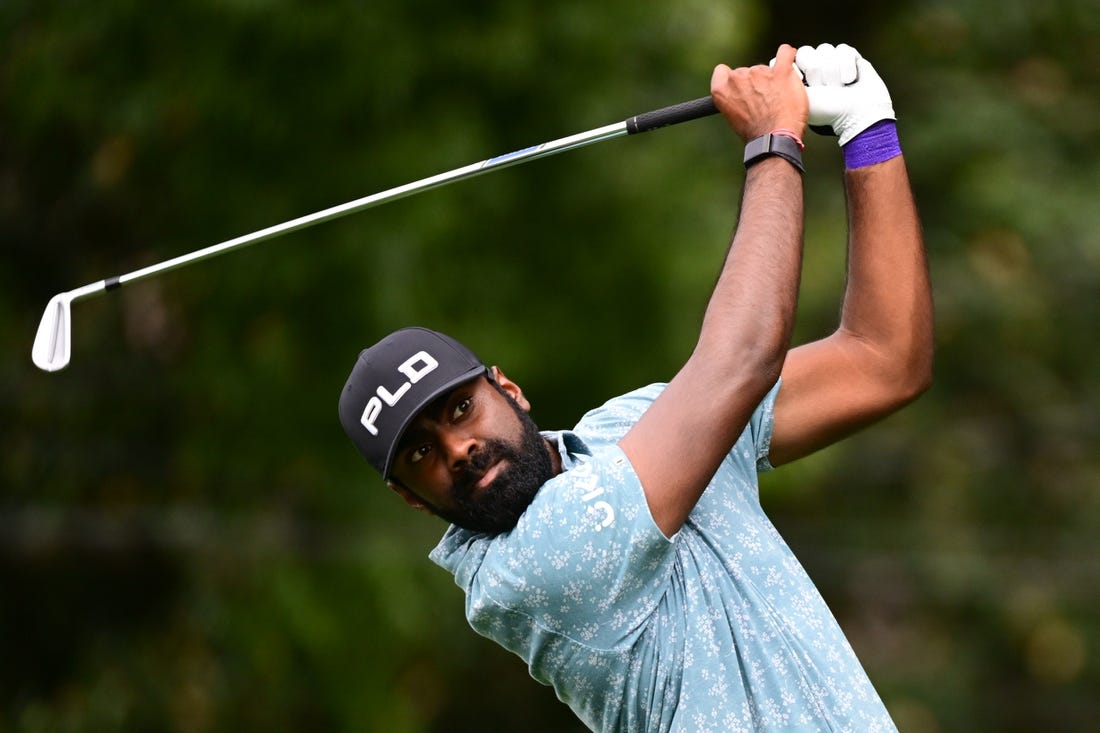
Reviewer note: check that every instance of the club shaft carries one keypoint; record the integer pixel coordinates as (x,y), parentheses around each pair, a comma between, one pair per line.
(674,114)
(392,194)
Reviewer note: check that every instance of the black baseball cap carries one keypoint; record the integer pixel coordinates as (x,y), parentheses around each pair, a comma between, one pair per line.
(394,380)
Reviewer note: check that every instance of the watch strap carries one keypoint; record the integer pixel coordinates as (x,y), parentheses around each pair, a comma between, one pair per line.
(783,146)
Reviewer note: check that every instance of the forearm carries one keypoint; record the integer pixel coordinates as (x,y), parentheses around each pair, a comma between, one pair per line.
(888,300)
(751,312)
(743,341)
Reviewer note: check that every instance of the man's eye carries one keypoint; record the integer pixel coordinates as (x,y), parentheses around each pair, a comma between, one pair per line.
(419,453)
(462,408)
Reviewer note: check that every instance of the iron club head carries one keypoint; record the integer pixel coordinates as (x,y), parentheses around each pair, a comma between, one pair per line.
(51,343)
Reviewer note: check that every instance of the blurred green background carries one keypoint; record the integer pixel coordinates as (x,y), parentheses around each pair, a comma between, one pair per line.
(189,543)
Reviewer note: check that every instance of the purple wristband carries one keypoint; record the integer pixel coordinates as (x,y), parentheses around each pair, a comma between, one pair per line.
(876,144)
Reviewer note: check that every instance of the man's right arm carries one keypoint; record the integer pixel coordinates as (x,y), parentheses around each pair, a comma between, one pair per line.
(678,444)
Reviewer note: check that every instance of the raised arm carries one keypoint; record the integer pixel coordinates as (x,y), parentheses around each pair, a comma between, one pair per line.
(678,444)
(880,356)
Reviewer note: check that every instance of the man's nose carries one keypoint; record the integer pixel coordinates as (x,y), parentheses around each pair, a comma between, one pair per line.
(459,447)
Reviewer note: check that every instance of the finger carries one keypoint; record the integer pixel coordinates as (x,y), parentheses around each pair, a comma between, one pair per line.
(784,57)
(801,75)
(720,86)
(847,66)
(718,76)
(827,60)
(809,62)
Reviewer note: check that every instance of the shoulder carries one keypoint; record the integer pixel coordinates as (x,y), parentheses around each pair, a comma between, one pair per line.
(610,421)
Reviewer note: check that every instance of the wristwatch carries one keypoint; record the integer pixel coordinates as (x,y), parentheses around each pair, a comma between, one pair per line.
(784,146)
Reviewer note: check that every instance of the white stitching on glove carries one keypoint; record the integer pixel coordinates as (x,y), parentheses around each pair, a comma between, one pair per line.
(845,92)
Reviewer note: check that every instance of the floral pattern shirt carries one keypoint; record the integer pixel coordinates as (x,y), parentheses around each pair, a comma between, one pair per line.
(717,629)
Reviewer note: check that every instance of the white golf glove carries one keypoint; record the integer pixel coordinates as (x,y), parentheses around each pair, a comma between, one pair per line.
(846,94)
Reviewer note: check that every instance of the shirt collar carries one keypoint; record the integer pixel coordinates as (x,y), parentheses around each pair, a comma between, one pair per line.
(569,446)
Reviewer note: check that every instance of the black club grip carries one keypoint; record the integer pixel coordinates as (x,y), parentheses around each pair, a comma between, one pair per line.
(683,112)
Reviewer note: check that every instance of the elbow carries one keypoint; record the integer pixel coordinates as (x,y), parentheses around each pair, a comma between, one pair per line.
(920,364)
(762,359)
(905,362)
(910,388)
(747,365)
(896,373)
(913,375)
(922,374)
(757,366)
(769,367)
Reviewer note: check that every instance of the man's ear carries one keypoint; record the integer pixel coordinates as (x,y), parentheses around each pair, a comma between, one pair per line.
(510,387)
(410,498)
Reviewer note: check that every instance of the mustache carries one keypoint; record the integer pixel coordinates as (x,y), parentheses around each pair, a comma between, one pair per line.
(470,473)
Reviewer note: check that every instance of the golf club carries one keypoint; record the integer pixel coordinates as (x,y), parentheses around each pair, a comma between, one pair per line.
(52,343)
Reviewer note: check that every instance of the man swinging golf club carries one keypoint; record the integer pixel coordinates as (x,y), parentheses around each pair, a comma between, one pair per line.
(628,560)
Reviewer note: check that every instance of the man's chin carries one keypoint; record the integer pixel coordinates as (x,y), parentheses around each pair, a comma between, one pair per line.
(496,507)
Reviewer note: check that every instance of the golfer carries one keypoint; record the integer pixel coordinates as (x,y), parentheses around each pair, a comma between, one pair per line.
(628,561)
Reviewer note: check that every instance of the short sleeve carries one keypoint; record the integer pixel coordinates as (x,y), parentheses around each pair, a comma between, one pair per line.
(760,428)
(609,422)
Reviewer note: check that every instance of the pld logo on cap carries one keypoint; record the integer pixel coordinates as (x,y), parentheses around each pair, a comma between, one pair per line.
(415,367)
(394,380)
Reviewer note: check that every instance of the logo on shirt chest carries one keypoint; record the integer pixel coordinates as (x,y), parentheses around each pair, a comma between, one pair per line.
(587,481)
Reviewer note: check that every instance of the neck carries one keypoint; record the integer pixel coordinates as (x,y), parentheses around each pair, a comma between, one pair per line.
(555,457)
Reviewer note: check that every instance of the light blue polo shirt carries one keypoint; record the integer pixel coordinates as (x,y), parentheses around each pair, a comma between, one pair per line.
(717,629)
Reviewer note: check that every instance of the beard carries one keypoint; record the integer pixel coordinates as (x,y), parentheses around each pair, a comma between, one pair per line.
(497,507)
